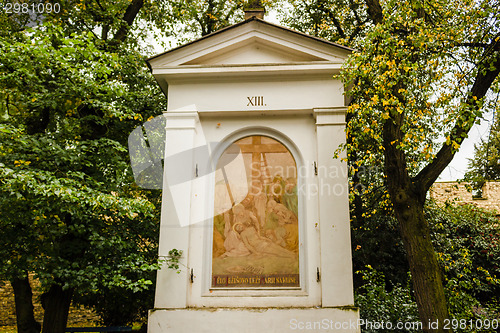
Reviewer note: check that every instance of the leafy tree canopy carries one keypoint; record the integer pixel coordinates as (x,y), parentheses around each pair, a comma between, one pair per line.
(70,95)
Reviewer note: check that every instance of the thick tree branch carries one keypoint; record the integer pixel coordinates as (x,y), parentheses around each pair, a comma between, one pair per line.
(89,29)
(482,83)
(375,11)
(105,31)
(357,30)
(419,10)
(129,17)
(335,21)
(480,45)
(394,157)
(353,7)
(492,46)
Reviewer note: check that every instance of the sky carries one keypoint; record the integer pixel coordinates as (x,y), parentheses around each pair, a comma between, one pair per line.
(458,166)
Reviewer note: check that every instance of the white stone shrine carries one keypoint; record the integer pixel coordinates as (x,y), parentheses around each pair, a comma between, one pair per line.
(252,195)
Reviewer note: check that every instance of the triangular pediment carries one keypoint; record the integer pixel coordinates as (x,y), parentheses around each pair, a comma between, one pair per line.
(254,51)
(251,42)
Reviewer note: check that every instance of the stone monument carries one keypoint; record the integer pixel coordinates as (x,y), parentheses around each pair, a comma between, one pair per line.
(252,195)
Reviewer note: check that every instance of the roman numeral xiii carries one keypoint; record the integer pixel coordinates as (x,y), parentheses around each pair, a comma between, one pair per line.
(255,101)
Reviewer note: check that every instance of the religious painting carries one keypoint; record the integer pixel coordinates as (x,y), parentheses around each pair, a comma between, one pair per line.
(256,233)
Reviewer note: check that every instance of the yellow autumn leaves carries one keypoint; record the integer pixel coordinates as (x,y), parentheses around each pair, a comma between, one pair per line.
(19,163)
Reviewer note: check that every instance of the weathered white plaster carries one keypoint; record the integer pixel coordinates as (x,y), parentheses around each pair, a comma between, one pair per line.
(226,320)
(277,94)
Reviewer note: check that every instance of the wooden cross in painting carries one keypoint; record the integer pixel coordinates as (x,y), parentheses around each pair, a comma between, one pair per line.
(257,148)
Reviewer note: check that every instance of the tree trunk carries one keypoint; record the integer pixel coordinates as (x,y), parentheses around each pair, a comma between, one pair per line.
(408,199)
(424,267)
(23,296)
(56,304)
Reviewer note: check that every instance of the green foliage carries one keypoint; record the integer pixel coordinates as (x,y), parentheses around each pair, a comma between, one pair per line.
(188,19)
(376,242)
(121,306)
(410,68)
(466,240)
(379,305)
(467,244)
(341,21)
(70,211)
(173,259)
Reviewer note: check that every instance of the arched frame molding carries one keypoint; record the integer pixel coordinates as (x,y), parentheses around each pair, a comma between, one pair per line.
(216,153)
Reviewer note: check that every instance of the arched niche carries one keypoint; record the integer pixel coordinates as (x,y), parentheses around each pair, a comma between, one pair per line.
(256,216)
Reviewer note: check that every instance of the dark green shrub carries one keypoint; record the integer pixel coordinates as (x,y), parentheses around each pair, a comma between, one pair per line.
(376,242)
(378,305)
(466,240)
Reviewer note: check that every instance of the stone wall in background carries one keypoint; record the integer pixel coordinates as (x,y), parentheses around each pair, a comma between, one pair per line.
(78,315)
(458,193)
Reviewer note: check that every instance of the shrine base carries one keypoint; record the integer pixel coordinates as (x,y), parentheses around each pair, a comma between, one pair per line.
(260,320)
